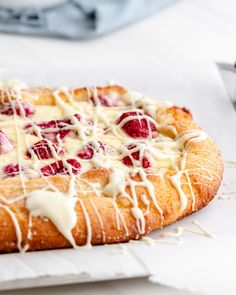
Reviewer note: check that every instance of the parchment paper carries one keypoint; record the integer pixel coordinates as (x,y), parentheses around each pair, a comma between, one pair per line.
(198,263)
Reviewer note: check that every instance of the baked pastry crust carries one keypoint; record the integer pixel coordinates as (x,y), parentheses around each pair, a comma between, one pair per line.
(105,220)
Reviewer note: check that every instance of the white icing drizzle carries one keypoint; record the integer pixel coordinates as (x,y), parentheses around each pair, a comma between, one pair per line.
(191,190)
(58,207)
(148,240)
(117,212)
(181,229)
(183,142)
(116,184)
(176,234)
(68,110)
(119,217)
(202,229)
(99,219)
(145,202)
(151,106)
(29,234)
(151,242)
(227,195)
(151,190)
(176,181)
(88,224)
(19,152)
(175,237)
(138,117)
(139,216)
(13,84)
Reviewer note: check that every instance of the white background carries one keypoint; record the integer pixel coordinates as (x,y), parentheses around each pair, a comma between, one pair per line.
(190,35)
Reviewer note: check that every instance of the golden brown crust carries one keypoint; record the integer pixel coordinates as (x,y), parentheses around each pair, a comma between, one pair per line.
(204,168)
(44,96)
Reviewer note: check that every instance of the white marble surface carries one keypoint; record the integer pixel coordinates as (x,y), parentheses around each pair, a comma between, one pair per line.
(189,34)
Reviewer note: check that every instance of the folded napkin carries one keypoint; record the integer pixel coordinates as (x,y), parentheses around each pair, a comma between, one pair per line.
(77,19)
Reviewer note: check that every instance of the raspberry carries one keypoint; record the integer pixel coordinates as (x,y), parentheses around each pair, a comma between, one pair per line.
(78,117)
(12,170)
(5,144)
(137,127)
(87,152)
(127,160)
(43,149)
(105,100)
(47,128)
(22,108)
(59,168)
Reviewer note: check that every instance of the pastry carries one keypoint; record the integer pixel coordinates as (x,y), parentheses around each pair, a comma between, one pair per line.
(97,165)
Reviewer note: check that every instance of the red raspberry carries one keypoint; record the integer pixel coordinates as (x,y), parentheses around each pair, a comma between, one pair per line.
(59,168)
(137,127)
(78,117)
(12,170)
(43,150)
(136,156)
(22,108)
(47,128)
(105,100)
(5,144)
(87,152)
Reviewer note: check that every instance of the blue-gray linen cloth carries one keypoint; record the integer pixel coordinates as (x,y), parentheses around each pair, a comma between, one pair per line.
(77,19)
